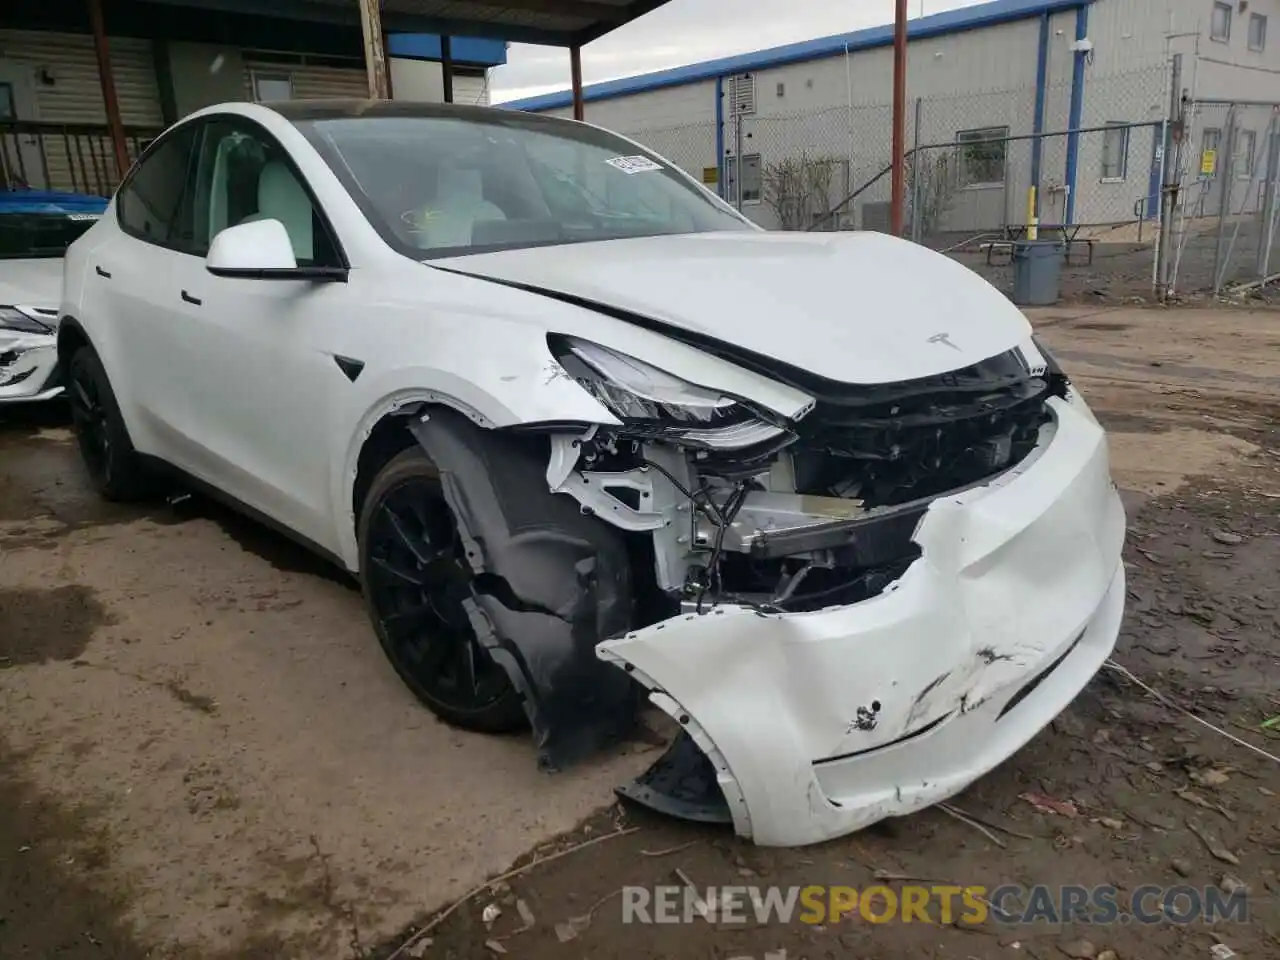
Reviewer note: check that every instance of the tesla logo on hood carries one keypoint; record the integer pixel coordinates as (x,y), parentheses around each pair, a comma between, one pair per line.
(944,338)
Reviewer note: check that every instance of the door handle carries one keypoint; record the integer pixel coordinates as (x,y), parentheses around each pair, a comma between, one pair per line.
(102,273)
(190,299)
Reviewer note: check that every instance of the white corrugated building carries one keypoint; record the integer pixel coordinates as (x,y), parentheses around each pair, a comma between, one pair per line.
(821,110)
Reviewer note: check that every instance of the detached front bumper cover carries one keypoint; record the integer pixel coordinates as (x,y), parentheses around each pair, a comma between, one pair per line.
(814,725)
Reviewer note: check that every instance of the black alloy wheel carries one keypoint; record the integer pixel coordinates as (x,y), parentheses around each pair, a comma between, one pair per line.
(416,580)
(89,420)
(114,467)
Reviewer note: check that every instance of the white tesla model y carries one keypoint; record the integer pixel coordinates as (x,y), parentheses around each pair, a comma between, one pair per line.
(587,435)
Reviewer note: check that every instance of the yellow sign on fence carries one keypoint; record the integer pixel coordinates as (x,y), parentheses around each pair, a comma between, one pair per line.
(710,175)
(1209,163)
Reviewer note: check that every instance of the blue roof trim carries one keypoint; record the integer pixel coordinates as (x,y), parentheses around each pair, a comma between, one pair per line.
(952,21)
(468,50)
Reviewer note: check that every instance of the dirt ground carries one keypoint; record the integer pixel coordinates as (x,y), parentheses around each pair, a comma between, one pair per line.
(204,756)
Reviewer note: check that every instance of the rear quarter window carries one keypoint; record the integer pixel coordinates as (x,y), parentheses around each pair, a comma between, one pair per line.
(148,202)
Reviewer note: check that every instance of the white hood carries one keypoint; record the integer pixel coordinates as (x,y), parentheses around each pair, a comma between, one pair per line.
(31,283)
(852,307)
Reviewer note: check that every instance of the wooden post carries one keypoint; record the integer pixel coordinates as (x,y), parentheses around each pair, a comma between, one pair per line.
(386,56)
(110,101)
(375,51)
(897,211)
(575,80)
(446,67)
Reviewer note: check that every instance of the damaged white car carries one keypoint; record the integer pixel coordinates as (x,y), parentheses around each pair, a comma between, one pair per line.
(588,436)
(36,227)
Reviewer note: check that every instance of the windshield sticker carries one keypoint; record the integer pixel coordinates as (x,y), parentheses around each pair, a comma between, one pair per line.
(630,165)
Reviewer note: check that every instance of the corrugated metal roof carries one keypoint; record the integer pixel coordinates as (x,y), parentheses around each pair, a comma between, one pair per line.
(952,21)
(559,22)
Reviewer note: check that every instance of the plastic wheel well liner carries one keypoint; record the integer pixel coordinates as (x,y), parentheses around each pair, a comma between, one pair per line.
(551,584)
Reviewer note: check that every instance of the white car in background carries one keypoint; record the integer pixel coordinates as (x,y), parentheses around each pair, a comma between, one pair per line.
(587,435)
(36,227)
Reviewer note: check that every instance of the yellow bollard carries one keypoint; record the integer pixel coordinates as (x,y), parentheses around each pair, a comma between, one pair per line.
(1033,222)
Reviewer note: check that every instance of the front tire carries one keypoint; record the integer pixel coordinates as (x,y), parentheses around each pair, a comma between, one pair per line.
(415,578)
(114,467)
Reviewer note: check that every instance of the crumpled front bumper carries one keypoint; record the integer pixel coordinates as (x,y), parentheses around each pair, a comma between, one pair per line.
(819,724)
(28,367)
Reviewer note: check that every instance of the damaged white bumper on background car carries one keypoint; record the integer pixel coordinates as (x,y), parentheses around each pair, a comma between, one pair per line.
(28,355)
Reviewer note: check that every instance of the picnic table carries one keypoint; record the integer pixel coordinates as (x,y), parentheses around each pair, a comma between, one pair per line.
(1069,232)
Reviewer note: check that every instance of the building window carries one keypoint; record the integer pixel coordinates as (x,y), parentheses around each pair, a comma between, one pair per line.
(8,109)
(1210,146)
(1257,33)
(1220,23)
(268,87)
(1246,144)
(752,181)
(1115,151)
(982,156)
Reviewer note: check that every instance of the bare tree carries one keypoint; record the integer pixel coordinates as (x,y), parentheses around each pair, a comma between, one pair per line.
(798,189)
(932,181)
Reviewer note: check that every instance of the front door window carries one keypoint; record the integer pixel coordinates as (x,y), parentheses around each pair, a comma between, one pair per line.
(243,175)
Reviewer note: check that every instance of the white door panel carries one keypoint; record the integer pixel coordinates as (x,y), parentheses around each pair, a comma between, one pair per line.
(259,400)
(132,284)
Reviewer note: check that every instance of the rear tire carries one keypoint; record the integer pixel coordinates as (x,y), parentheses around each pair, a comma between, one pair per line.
(415,576)
(114,467)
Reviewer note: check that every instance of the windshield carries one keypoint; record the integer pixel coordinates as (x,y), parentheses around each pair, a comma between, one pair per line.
(445,186)
(32,235)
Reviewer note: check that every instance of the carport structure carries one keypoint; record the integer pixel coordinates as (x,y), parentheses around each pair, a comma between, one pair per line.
(321,27)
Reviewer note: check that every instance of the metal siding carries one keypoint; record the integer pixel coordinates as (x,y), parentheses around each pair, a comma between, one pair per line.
(1126,79)
(318,83)
(471,89)
(675,106)
(969,79)
(311,82)
(75,97)
(678,122)
(947,24)
(1231,71)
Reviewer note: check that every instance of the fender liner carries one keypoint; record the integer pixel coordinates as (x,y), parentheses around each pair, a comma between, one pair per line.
(551,583)
(68,327)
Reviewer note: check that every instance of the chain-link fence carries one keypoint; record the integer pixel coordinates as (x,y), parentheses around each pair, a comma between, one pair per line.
(974,157)
(972,165)
(1224,229)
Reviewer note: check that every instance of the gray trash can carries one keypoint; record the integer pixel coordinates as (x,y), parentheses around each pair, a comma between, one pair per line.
(1037,265)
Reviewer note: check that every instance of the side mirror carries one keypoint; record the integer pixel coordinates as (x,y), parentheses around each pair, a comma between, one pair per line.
(261,250)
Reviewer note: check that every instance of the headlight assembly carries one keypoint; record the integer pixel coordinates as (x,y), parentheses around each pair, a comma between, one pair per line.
(652,402)
(11,318)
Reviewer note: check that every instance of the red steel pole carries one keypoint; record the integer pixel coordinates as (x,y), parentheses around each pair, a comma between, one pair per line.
(575,81)
(897,213)
(110,102)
